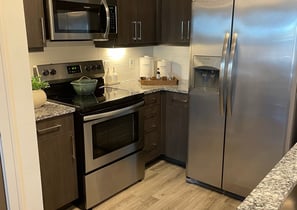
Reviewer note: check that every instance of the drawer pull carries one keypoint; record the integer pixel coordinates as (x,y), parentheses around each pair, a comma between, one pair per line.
(180,100)
(73,148)
(49,130)
(153,100)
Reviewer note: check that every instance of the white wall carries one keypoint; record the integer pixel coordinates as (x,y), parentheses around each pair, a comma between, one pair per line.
(17,119)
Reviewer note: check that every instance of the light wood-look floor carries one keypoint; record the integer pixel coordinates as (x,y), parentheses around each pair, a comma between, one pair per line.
(164,188)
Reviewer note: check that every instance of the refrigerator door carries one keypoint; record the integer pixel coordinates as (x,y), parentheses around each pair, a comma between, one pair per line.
(263,80)
(211,24)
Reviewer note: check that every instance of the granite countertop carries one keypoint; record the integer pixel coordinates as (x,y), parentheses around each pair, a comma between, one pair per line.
(276,185)
(136,87)
(49,110)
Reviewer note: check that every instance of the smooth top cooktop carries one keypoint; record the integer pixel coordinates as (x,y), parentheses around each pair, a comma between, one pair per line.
(103,98)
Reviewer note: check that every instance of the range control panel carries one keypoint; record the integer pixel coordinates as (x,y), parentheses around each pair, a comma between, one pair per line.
(53,73)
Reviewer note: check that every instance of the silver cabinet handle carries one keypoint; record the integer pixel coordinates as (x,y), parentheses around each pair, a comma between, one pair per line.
(140,30)
(188,33)
(182,30)
(229,73)
(73,148)
(134,25)
(43,31)
(49,130)
(105,36)
(225,50)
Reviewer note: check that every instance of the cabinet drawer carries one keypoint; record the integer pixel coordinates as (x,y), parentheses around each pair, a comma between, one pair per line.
(55,126)
(151,140)
(177,98)
(153,98)
(151,124)
(151,111)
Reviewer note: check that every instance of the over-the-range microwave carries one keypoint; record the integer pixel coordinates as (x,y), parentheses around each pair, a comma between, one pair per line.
(81,19)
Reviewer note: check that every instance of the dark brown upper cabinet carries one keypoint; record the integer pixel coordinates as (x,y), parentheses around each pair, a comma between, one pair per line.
(34,17)
(176,22)
(136,22)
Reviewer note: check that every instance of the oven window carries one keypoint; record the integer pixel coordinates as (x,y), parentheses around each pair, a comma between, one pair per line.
(114,134)
(77,17)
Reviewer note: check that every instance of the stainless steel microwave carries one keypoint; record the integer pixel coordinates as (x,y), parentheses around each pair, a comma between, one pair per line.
(81,19)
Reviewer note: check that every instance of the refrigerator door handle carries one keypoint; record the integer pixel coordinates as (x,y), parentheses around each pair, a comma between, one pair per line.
(229,73)
(222,73)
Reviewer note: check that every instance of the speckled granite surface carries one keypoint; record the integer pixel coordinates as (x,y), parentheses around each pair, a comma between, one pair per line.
(276,185)
(135,86)
(49,110)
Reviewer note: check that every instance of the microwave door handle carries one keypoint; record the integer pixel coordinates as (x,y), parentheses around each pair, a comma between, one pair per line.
(105,36)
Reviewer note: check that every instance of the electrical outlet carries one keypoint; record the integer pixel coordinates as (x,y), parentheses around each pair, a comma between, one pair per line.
(131,63)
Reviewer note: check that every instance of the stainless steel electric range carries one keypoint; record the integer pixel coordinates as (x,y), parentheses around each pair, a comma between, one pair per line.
(108,130)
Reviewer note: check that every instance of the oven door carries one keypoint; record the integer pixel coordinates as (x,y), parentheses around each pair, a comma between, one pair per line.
(112,135)
(78,19)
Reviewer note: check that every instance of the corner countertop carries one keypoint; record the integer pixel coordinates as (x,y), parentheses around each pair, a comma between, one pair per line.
(134,86)
(271,192)
(49,110)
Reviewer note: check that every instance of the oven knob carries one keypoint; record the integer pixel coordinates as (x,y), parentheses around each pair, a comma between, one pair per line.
(45,72)
(53,72)
(93,68)
(98,67)
(87,68)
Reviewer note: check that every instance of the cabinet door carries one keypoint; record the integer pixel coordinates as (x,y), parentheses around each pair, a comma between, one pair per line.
(146,21)
(136,22)
(57,161)
(127,22)
(176,129)
(176,17)
(34,17)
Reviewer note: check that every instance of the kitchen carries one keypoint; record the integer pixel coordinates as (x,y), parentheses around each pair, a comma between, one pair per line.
(60,52)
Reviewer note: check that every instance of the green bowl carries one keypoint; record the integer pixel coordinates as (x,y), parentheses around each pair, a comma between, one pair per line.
(84,86)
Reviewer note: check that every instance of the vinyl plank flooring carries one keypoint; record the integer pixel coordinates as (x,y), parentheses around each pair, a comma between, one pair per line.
(164,188)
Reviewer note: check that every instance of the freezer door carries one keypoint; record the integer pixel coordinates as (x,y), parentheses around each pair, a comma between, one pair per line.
(211,24)
(206,138)
(211,20)
(263,83)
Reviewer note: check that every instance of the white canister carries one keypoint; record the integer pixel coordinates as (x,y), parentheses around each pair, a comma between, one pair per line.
(164,67)
(146,66)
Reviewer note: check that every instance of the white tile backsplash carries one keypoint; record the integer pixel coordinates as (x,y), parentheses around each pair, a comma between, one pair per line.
(125,61)
(179,56)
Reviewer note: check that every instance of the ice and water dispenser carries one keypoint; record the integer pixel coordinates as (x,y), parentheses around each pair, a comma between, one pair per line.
(206,72)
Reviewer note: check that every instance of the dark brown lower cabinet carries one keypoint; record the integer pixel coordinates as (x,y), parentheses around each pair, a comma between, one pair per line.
(57,161)
(152,127)
(2,190)
(176,126)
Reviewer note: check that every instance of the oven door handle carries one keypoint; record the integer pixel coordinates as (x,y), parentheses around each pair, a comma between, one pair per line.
(113,113)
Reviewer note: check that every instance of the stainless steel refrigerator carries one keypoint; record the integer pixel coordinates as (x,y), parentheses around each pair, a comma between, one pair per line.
(242,90)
